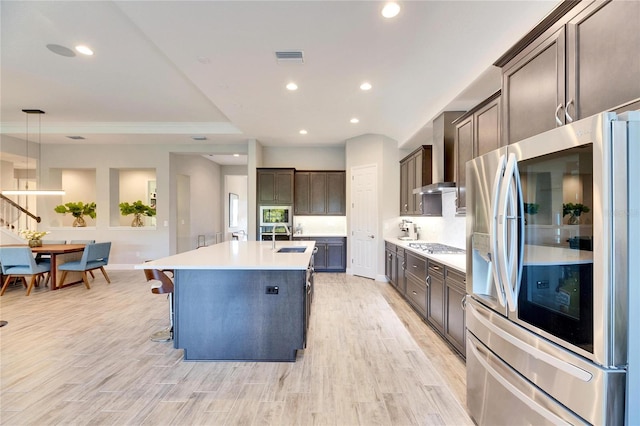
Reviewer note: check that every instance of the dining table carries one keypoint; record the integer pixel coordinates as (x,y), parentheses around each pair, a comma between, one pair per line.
(55,250)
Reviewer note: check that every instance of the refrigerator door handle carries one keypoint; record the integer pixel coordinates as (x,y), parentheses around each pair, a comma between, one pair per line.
(493,236)
(510,254)
(535,352)
(480,354)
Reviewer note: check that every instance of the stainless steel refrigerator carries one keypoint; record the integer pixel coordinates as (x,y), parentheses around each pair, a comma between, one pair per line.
(548,275)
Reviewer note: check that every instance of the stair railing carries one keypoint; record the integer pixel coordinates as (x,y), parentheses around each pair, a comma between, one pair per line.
(10,213)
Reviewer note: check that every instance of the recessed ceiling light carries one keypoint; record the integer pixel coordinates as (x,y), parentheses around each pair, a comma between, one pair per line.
(236,155)
(390,10)
(354,120)
(365,86)
(303,132)
(292,86)
(85,50)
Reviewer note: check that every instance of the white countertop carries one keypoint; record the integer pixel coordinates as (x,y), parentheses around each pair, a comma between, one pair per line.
(238,255)
(455,261)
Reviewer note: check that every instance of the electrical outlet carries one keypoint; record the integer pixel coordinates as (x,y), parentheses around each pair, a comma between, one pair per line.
(272,289)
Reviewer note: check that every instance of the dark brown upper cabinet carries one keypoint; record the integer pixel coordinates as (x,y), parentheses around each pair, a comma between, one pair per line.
(584,63)
(275,186)
(415,172)
(477,132)
(320,193)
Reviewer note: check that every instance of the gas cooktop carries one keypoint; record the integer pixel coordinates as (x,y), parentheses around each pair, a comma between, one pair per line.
(436,248)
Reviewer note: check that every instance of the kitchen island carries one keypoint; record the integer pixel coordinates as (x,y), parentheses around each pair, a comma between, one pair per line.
(241,300)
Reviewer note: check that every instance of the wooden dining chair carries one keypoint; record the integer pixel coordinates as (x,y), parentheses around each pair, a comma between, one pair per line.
(19,262)
(94,256)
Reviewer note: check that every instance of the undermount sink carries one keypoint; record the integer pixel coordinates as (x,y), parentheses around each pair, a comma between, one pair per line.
(291,250)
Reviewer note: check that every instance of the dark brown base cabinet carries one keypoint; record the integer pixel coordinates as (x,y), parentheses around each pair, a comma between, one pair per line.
(390,263)
(416,277)
(436,312)
(433,290)
(331,255)
(455,303)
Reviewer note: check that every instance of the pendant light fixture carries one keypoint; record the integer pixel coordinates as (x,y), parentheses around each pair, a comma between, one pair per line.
(28,191)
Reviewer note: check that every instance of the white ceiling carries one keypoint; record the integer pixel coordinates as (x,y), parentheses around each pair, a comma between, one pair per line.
(164,71)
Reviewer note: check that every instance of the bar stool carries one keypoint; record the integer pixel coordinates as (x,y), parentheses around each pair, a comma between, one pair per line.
(165,287)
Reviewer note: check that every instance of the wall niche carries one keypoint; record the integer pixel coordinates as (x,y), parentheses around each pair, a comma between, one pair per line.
(79,186)
(131,185)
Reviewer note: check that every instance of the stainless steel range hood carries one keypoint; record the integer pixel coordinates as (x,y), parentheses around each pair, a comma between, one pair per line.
(436,188)
(443,149)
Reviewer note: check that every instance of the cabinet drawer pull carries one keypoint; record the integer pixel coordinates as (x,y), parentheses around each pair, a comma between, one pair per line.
(437,268)
(414,293)
(428,280)
(415,266)
(463,303)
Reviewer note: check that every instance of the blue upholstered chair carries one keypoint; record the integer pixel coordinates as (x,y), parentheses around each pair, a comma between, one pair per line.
(19,262)
(84,242)
(95,256)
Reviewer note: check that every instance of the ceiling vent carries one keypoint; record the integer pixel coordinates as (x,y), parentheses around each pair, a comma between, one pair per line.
(76,138)
(290,57)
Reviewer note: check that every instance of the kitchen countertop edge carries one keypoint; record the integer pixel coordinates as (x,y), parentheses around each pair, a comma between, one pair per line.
(455,261)
(237,255)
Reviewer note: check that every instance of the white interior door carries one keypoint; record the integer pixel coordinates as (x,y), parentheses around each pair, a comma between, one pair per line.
(364,220)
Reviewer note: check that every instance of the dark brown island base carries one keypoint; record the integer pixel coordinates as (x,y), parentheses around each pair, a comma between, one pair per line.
(241,300)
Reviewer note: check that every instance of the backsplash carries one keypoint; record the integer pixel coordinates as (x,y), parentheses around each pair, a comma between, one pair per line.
(321,225)
(448,229)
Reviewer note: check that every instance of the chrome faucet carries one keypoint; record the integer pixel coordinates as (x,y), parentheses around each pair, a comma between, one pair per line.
(273,233)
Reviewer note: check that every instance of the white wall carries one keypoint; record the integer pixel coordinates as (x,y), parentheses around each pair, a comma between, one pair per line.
(304,158)
(254,160)
(6,175)
(239,186)
(207,205)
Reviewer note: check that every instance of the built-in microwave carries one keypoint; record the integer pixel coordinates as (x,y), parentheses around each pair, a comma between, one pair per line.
(276,214)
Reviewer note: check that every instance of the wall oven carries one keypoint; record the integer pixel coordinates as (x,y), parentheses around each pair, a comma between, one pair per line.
(275,222)
(547,274)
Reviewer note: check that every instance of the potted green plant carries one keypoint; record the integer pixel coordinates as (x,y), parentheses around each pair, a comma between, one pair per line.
(138,209)
(574,211)
(78,211)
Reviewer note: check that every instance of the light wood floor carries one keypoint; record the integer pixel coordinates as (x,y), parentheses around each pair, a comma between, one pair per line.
(78,356)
